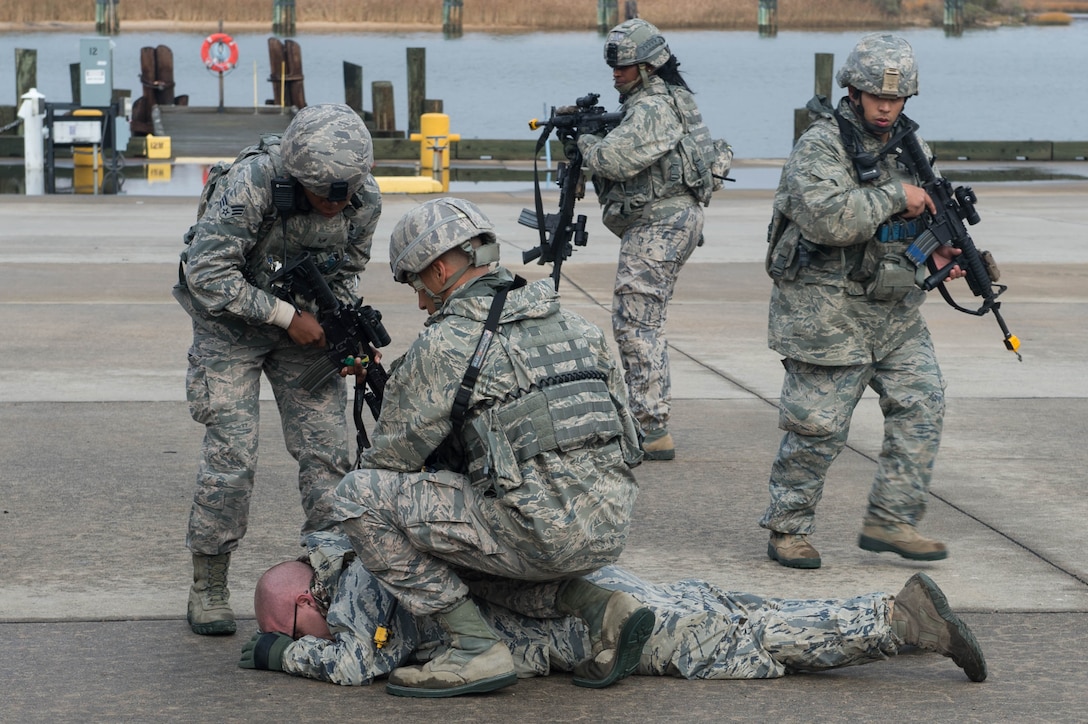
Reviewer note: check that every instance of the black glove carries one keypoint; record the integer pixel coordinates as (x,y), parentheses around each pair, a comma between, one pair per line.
(265,651)
(570,145)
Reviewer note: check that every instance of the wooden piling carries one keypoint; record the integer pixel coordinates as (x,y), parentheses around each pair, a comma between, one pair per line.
(822,85)
(285,61)
(283,17)
(417,86)
(106,19)
(953,17)
(768,18)
(26,72)
(630,10)
(296,92)
(452,11)
(74,76)
(278,66)
(608,15)
(385,117)
(432,105)
(825,64)
(353,86)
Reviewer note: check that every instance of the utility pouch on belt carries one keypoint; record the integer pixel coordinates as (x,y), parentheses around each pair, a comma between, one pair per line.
(893,274)
(783,242)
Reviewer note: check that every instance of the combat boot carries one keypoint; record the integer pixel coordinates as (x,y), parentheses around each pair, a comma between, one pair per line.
(619,626)
(476,660)
(658,445)
(209,598)
(900,538)
(922,617)
(792,550)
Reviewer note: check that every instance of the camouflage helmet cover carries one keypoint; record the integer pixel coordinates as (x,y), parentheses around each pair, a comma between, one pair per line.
(636,41)
(325,144)
(881,64)
(433,228)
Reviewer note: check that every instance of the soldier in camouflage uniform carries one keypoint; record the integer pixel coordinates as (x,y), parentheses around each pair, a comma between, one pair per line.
(320,615)
(844,311)
(241,329)
(638,172)
(503,448)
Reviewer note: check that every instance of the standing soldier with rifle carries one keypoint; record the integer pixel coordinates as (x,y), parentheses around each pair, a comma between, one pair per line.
(652,180)
(849,216)
(308,195)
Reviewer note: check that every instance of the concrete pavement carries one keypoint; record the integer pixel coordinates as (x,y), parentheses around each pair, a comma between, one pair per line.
(98,456)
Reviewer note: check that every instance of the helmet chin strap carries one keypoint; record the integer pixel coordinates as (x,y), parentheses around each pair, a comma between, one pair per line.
(854,97)
(477,256)
(625,89)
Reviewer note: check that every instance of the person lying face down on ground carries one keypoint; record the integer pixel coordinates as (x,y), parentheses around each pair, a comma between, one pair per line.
(318,617)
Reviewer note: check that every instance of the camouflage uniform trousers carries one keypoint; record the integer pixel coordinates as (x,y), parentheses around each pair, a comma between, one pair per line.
(223,388)
(417,532)
(651,256)
(815,410)
(702,631)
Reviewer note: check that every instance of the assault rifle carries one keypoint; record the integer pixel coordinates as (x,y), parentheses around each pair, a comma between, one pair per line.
(946,227)
(350,332)
(560,232)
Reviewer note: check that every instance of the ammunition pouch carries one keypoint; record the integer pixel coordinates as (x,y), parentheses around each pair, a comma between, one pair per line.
(886,271)
(783,244)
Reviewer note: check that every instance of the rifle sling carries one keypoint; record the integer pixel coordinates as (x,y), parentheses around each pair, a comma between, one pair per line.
(468,382)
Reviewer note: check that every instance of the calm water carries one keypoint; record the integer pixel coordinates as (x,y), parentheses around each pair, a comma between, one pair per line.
(1004,84)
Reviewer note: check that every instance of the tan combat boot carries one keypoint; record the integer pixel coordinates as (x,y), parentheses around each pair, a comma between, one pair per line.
(792,550)
(900,538)
(619,626)
(209,598)
(476,660)
(658,445)
(922,617)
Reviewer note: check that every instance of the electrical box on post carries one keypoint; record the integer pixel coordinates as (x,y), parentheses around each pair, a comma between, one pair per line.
(95,72)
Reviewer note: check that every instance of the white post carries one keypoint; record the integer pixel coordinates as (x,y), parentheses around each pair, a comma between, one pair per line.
(32,112)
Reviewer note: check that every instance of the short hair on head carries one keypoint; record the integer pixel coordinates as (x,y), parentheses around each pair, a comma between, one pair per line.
(274,596)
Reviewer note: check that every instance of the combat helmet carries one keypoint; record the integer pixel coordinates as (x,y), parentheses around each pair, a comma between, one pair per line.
(433,228)
(328,149)
(881,64)
(636,41)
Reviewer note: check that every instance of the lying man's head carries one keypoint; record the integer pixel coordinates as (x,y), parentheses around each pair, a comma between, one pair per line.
(285,604)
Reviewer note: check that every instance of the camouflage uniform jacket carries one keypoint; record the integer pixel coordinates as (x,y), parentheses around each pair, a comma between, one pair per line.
(636,167)
(824,222)
(548,441)
(238,242)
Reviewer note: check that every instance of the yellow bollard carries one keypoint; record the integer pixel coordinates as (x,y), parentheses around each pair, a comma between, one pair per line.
(87,160)
(434,140)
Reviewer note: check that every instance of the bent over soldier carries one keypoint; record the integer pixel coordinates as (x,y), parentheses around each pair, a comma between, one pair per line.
(309,191)
(503,449)
(845,315)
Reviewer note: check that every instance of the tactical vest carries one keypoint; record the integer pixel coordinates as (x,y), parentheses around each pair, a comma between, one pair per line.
(704,161)
(567,406)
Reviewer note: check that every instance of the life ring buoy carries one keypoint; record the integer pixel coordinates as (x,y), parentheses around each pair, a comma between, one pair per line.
(219,52)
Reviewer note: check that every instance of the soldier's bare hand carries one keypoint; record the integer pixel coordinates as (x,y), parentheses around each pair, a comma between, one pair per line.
(917,202)
(305,330)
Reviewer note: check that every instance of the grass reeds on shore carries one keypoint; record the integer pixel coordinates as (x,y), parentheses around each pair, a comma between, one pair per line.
(517,14)
(492,14)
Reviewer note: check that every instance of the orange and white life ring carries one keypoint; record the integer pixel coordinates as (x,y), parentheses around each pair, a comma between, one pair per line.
(219,52)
